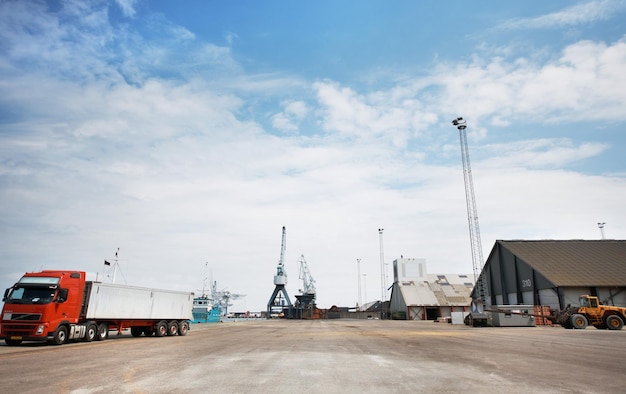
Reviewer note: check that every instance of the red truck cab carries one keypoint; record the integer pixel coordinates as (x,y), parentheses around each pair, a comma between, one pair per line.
(38,306)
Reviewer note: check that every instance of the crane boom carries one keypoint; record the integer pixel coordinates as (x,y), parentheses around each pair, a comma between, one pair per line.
(472,212)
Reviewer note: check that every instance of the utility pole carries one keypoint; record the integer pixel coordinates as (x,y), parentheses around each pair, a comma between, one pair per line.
(358,265)
(472,214)
(365,286)
(383,285)
(601,227)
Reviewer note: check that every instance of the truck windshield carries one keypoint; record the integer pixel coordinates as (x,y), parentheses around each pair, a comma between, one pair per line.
(31,295)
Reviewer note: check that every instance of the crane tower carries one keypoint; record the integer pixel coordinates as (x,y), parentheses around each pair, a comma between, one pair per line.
(280,280)
(472,218)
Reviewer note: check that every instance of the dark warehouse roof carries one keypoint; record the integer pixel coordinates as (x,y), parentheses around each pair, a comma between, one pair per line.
(574,262)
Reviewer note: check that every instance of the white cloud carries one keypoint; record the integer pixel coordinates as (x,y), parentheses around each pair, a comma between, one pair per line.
(583,13)
(583,84)
(393,115)
(288,120)
(127,7)
(540,153)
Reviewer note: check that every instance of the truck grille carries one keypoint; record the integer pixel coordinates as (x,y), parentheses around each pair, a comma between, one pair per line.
(26,316)
(18,329)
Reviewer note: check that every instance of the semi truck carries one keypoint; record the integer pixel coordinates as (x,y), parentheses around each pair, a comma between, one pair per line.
(57,306)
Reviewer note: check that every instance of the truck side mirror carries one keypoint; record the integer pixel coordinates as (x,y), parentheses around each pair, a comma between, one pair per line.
(6,294)
(62,296)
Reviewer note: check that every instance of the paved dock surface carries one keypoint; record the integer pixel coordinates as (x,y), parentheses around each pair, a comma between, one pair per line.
(327,356)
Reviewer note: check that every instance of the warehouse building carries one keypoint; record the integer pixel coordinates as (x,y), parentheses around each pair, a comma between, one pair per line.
(417,295)
(555,273)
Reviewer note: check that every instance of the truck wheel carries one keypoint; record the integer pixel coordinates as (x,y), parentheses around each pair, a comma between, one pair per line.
(172,328)
(614,322)
(579,321)
(91,333)
(12,342)
(60,336)
(160,330)
(183,328)
(136,331)
(103,332)
(148,331)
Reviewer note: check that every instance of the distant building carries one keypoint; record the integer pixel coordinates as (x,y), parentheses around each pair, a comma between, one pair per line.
(417,295)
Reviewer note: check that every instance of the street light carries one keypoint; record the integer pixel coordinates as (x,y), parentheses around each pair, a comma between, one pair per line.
(601,227)
(358,264)
(382,267)
(365,286)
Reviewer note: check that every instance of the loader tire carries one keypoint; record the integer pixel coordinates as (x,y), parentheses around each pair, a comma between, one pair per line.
(614,322)
(579,321)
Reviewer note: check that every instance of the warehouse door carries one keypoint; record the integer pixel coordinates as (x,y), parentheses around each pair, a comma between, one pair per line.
(432,313)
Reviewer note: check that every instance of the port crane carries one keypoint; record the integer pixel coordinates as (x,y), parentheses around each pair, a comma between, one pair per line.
(472,218)
(305,304)
(308,283)
(280,280)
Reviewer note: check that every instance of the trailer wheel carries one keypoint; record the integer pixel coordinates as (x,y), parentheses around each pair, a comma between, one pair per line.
(183,328)
(148,331)
(614,322)
(579,321)
(91,333)
(103,332)
(160,329)
(60,336)
(136,331)
(172,328)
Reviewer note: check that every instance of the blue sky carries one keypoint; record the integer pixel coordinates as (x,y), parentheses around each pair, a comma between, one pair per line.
(190,133)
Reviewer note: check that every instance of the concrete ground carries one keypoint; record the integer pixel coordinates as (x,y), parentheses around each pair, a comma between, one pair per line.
(327,356)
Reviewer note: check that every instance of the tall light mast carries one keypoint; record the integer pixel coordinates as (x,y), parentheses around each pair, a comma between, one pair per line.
(383,285)
(358,267)
(472,214)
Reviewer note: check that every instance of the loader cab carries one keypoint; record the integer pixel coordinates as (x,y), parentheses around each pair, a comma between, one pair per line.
(589,302)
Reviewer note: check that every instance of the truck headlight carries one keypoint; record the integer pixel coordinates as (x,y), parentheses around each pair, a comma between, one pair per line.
(40,329)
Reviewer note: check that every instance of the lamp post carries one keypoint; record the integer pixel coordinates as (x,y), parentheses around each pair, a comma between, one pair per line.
(382,267)
(383,284)
(601,227)
(365,287)
(358,265)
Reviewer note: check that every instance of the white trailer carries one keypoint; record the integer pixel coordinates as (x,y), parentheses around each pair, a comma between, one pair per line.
(111,301)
